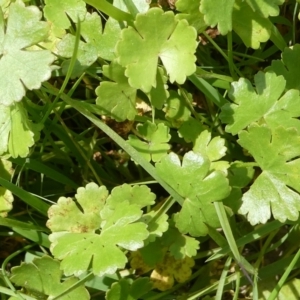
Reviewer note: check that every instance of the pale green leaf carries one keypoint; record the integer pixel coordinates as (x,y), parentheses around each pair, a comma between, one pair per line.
(21,68)
(193,180)
(91,232)
(218,12)
(96,43)
(127,289)
(65,215)
(117,98)
(6,199)
(42,278)
(103,41)
(17,133)
(262,104)
(190,11)
(252,28)
(59,12)
(213,148)
(139,195)
(288,67)
(174,43)
(155,144)
(5,6)
(276,187)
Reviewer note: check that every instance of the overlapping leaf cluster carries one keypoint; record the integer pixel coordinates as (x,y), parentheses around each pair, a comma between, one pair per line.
(266,121)
(138,70)
(93,230)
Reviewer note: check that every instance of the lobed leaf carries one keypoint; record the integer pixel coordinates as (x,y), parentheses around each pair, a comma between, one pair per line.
(156,139)
(20,67)
(59,12)
(218,13)
(288,67)
(116,99)
(276,152)
(139,195)
(190,11)
(174,43)
(265,8)
(263,105)
(127,289)
(193,180)
(180,245)
(17,133)
(91,232)
(214,148)
(45,280)
(252,28)
(67,216)
(157,225)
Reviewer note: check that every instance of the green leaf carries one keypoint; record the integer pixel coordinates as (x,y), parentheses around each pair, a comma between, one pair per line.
(43,279)
(276,154)
(157,224)
(127,289)
(58,12)
(103,42)
(97,43)
(214,148)
(159,94)
(174,43)
(116,99)
(176,109)
(6,199)
(17,133)
(218,13)
(65,214)
(288,67)
(193,180)
(262,105)
(139,195)
(180,245)
(265,8)
(190,11)
(190,129)
(91,233)
(20,67)
(252,28)
(156,140)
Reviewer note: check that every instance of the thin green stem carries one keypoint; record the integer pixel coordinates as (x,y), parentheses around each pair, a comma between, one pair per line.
(219,294)
(230,56)
(295,20)
(221,52)
(284,277)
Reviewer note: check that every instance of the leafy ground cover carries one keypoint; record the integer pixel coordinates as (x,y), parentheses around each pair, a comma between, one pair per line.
(149,150)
